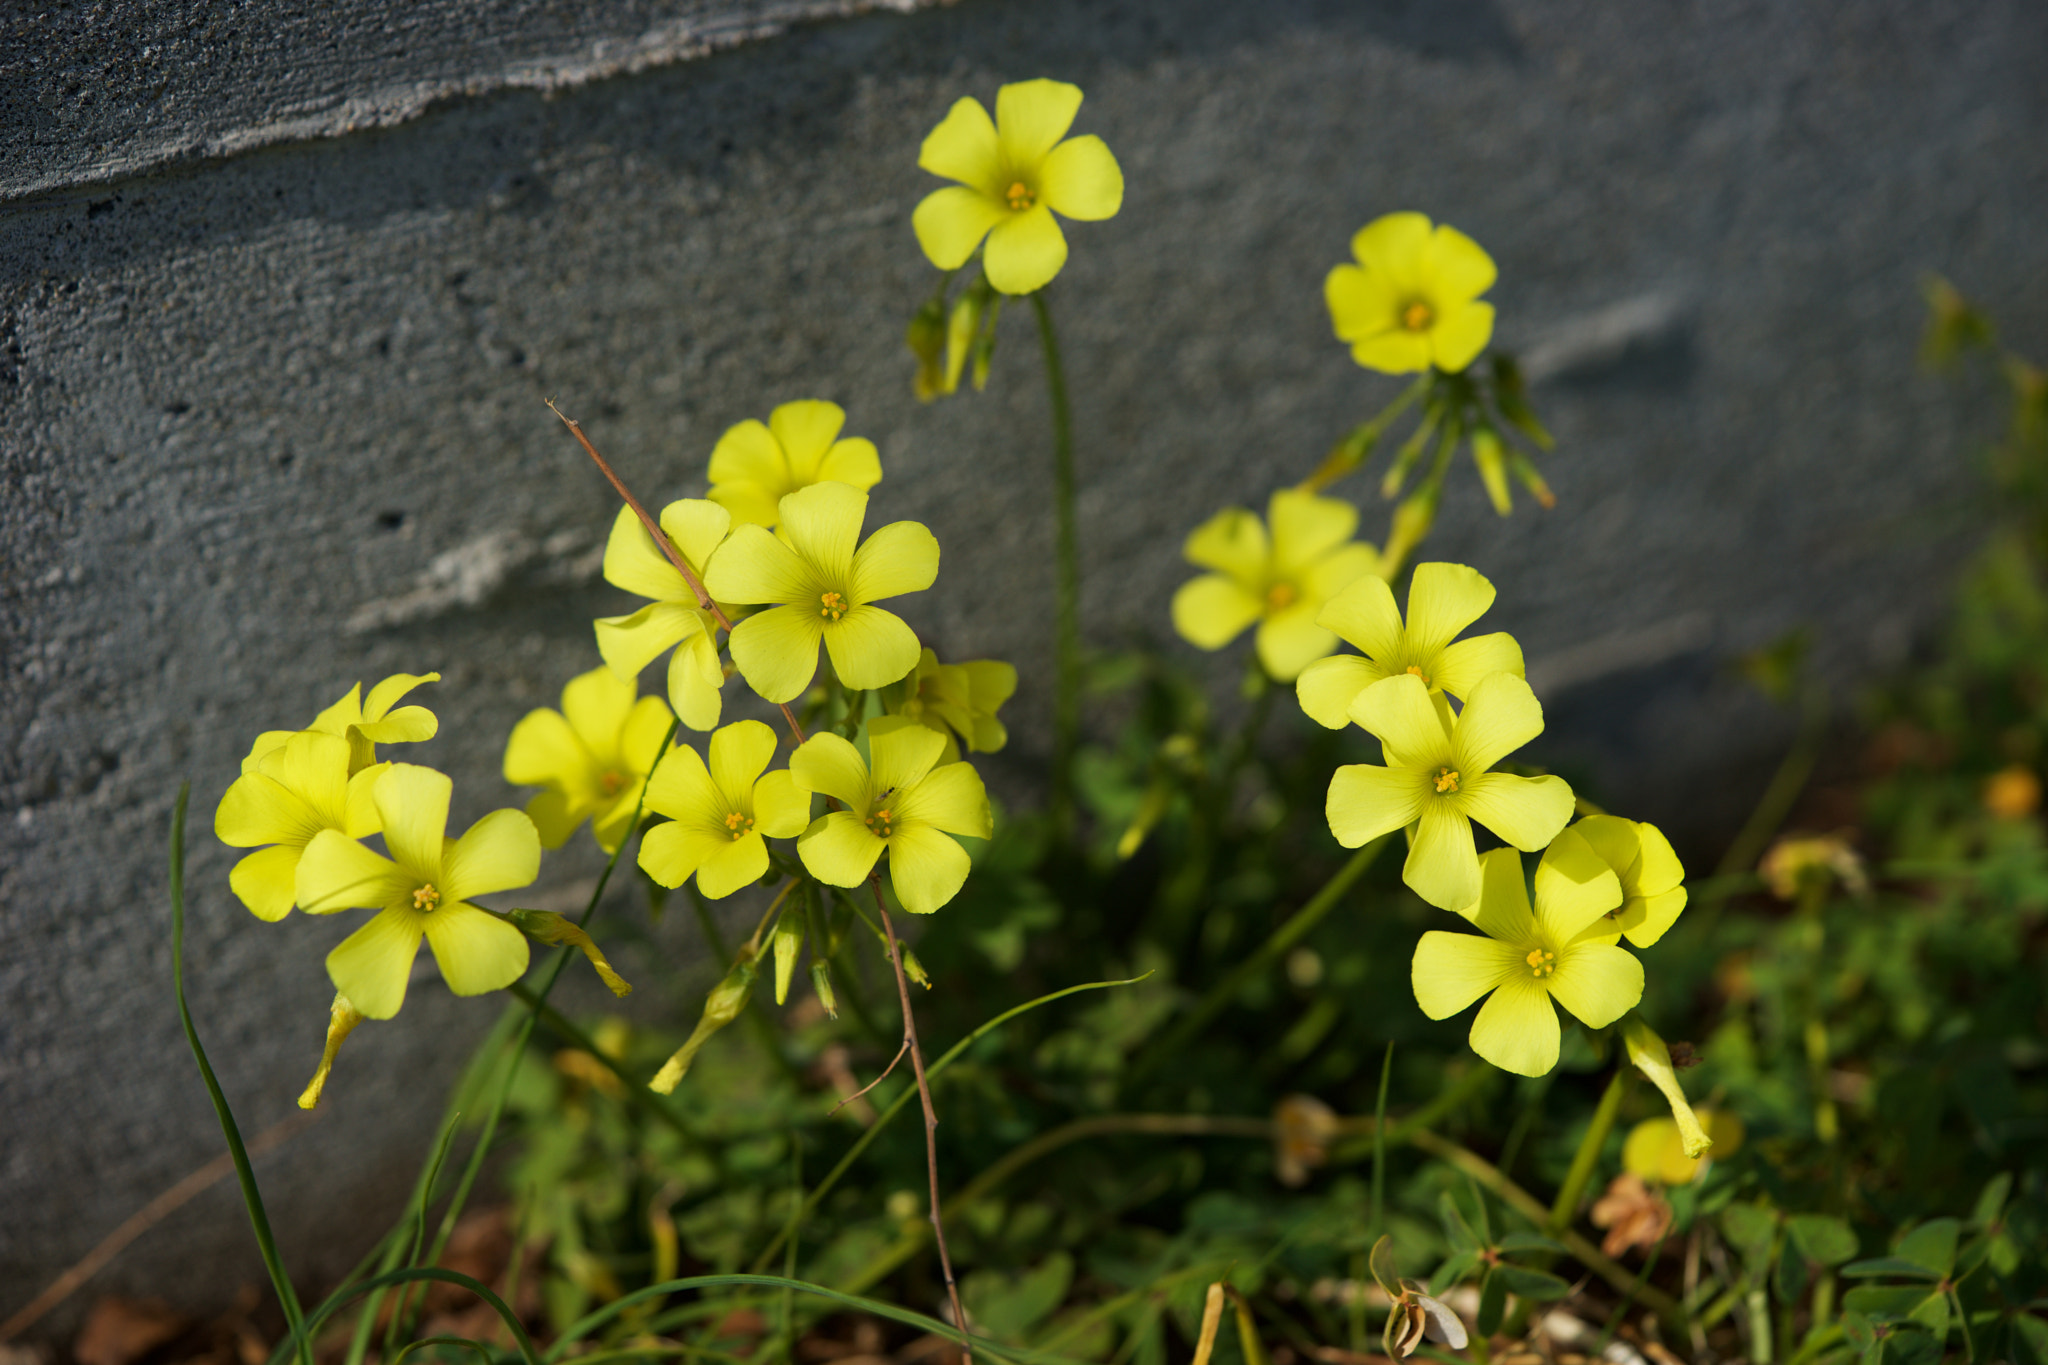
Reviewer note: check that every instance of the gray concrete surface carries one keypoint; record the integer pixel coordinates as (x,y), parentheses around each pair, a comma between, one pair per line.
(248,399)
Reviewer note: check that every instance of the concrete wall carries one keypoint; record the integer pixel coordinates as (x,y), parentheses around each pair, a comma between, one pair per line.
(280,298)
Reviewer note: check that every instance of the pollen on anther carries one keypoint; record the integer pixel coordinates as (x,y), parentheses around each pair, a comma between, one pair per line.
(1446,781)
(881,823)
(739,826)
(1417,671)
(1020,196)
(1281,596)
(425,897)
(1541,962)
(1417,316)
(831,605)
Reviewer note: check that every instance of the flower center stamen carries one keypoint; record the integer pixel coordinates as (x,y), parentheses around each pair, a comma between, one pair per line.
(1541,963)
(831,606)
(425,898)
(1412,668)
(1446,781)
(882,823)
(739,825)
(611,782)
(1417,316)
(1020,196)
(1281,596)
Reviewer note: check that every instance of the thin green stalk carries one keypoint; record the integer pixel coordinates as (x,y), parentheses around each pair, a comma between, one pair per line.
(903,1100)
(636,1089)
(1259,962)
(1066,707)
(1588,1155)
(245,1174)
(1786,784)
(1379,1145)
(340,1298)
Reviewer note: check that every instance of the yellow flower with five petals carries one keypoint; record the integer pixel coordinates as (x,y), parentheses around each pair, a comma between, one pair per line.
(755,466)
(674,618)
(959,701)
(821,589)
(1652,878)
(1278,573)
(900,799)
(364,722)
(1014,172)
(1412,300)
(721,815)
(592,756)
(1436,779)
(289,794)
(422,890)
(1523,959)
(1443,599)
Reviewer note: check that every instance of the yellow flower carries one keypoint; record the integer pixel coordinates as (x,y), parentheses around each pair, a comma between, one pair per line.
(1014,172)
(1652,878)
(957,700)
(1412,300)
(289,794)
(1280,581)
(1526,959)
(823,589)
(754,467)
(719,815)
(364,723)
(593,756)
(1436,779)
(629,643)
(1443,599)
(422,889)
(1655,1150)
(906,804)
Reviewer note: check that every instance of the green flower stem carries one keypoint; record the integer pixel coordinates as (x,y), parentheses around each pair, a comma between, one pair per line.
(1783,791)
(902,1101)
(1588,1156)
(245,1174)
(1268,953)
(1379,1146)
(1066,707)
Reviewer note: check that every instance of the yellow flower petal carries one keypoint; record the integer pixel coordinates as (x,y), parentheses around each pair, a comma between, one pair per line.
(1080,179)
(776,650)
(753,566)
(543,749)
(735,866)
(1460,667)
(1025,251)
(1659,871)
(258,809)
(555,816)
(500,852)
(1645,919)
(1393,244)
(682,789)
(1517,1028)
(1460,335)
(852,462)
(1524,811)
(838,849)
(413,804)
(899,558)
(1575,887)
(1443,864)
(952,799)
(1652,1152)
(747,452)
(1337,571)
(1500,716)
(629,643)
(1365,615)
(1395,352)
(781,808)
(476,951)
(362,818)
(1450,971)
(1443,599)
(1233,542)
(1455,265)
(926,868)
(829,764)
(314,767)
(372,965)
(963,147)
(697,528)
(641,736)
(1327,687)
(612,821)
(1306,527)
(377,706)
(1502,910)
(1361,304)
(900,753)
(1366,801)
(1598,982)
(267,881)
(740,753)
(632,562)
(337,873)
(870,648)
(805,430)
(671,853)
(1030,117)
(1398,711)
(822,521)
(695,677)
(1290,640)
(951,222)
(1211,611)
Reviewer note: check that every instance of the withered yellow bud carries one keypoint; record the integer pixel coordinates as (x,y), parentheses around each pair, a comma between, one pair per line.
(342,1018)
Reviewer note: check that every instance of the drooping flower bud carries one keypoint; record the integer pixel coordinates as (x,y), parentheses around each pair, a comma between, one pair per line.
(788,941)
(721,1007)
(342,1018)
(1653,1059)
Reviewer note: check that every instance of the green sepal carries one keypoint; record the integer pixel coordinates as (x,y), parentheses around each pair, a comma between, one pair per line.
(549,927)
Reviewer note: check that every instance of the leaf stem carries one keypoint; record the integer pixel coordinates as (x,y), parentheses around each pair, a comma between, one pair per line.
(1066,707)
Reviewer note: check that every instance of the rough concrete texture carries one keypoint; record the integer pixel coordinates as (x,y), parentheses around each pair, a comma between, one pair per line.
(250,402)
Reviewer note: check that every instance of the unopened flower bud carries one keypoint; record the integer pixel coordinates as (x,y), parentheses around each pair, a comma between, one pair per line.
(1653,1059)
(342,1018)
(1489,453)
(821,982)
(721,1007)
(788,942)
(926,338)
(912,968)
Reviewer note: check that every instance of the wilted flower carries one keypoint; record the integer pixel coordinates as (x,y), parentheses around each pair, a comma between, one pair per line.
(1633,1214)
(1303,1129)
(1791,861)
